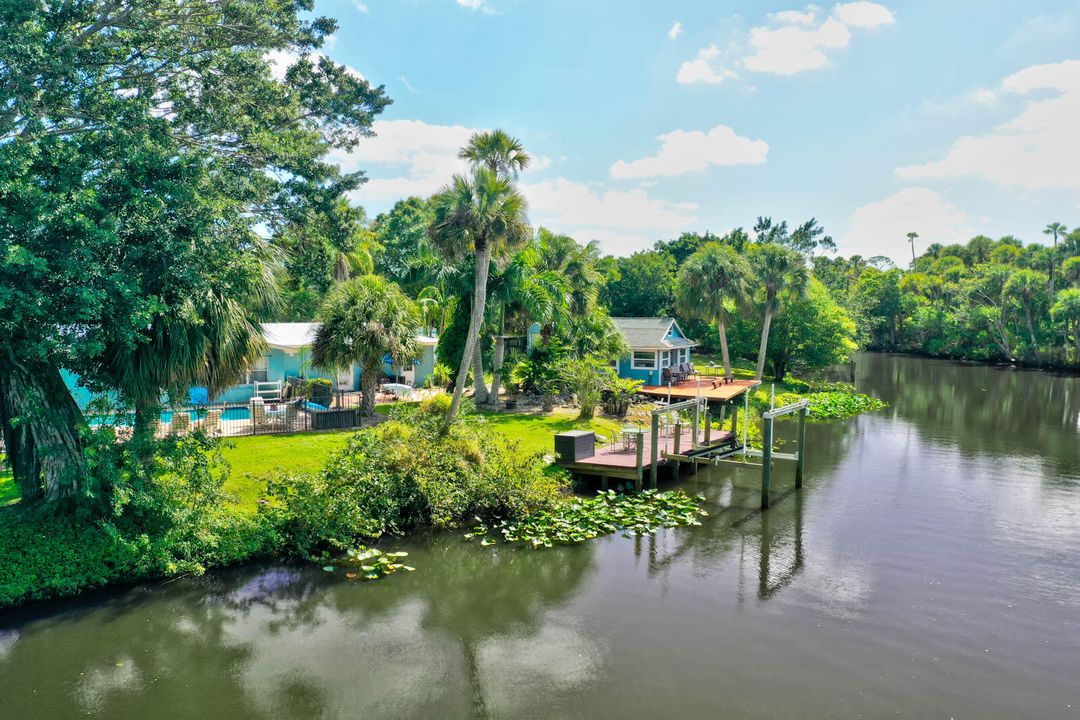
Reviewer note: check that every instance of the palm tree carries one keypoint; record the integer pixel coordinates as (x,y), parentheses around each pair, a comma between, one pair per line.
(1028,288)
(362,321)
(911,236)
(1055,229)
(1067,312)
(485,215)
(709,278)
(777,269)
(504,156)
(500,153)
(209,339)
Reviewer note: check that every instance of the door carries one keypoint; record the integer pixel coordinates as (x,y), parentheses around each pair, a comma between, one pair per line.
(344,379)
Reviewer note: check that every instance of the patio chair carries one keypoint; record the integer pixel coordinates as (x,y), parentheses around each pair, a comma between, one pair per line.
(629,436)
(212,422)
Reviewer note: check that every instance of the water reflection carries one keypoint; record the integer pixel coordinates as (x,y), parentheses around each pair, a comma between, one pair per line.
(929,567)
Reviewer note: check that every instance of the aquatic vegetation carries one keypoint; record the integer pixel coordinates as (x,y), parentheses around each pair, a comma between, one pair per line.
(834,405)
(580,519)
(372,563)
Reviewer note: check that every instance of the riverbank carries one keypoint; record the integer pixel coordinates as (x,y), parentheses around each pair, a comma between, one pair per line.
(291,494)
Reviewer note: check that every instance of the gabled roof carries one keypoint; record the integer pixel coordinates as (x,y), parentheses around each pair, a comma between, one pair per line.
(296,335)
(651,333)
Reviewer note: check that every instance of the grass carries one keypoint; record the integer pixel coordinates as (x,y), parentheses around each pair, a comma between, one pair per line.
(9,492)
(533,431)
(253,459)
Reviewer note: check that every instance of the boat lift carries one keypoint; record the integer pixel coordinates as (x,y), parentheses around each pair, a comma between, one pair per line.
(740,456)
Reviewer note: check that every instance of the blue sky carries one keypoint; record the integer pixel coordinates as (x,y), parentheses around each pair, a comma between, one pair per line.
(647,119)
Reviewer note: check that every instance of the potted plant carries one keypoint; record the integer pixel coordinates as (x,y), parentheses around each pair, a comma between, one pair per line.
(512,389)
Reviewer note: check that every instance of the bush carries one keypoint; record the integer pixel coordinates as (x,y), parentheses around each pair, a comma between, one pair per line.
(619,394)
(178,521)
(403,474)
(320,390)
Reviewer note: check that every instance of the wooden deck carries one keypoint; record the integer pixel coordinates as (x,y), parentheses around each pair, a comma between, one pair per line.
(615,461)
(701,387)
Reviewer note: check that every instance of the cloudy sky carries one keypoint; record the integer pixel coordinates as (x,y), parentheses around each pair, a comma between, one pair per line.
(647,118)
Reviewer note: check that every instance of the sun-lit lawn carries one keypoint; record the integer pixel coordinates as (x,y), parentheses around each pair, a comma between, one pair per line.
(254,459)
(9,493)
(533,431)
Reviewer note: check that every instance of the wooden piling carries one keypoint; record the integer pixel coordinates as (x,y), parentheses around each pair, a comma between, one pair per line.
(639,448)
(708,426)
(654,451)
(677,440)
(801,452)
(694,425)
(766,461)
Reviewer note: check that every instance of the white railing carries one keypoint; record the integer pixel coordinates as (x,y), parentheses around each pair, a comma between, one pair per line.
(270,390)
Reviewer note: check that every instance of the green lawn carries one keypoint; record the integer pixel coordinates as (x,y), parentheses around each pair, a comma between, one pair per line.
(255,458)
(8,492)
(533,432)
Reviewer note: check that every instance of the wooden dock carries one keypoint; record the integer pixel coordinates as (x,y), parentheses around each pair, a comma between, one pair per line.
(701,387)
(615,461)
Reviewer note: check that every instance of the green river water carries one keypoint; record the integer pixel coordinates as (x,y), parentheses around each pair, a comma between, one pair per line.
(930,568)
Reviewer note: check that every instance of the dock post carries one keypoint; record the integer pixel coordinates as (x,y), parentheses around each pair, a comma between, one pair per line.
(654,450)
(639,451)
(766,462)
(675,448)
(694,425)
(708,426)
(735,421)
(801,456)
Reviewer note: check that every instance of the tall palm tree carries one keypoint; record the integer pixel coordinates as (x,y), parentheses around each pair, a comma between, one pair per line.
(710,277)
(912,236)
(500,153)
(776,269)
(485,215)
(1067,312)
(521,288)
(362,321)
(1028,288)
(1055,229)
(504,156)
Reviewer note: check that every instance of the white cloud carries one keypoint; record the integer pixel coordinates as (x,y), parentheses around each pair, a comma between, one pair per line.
(863,14)
(477,5)
(703,69)
(622,220)
(281,60)
(688,151)
(423,157)
(796,17)
(675,31)
(985,97)
(1039,149)
(790,49)
(360,6)
(881,227)
(792,41)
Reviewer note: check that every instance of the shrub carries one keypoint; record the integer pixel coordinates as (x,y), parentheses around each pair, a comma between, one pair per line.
(619,394)
(403,474)
(320,390)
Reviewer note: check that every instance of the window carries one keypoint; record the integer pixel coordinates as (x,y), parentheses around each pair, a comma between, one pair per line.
(643,360)
(259,370)
(684,355)
(665,359)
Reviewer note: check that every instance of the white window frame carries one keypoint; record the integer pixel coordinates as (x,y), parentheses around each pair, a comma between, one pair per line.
(261,366)
(684,355)
(634,360)
(665,359)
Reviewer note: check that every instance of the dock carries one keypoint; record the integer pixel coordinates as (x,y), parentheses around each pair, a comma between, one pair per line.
(709,388)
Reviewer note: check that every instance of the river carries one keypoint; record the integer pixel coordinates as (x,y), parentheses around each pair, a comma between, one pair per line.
(929,568)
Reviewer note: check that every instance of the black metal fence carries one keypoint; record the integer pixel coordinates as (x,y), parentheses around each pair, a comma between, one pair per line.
(261,416)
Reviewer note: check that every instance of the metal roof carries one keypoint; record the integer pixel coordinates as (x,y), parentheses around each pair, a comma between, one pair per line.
(650,333)
(296,335)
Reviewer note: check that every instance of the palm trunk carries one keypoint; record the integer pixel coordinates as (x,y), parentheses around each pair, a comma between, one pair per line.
(369,384)
(41,423)
(480,392)
(147,417)
(1031,332)
(724,349)
(483,258)
(764,346)
(496,373)
(1003,338)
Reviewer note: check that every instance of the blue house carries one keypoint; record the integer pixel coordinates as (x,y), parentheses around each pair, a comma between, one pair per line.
(288,356)
(655,343)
